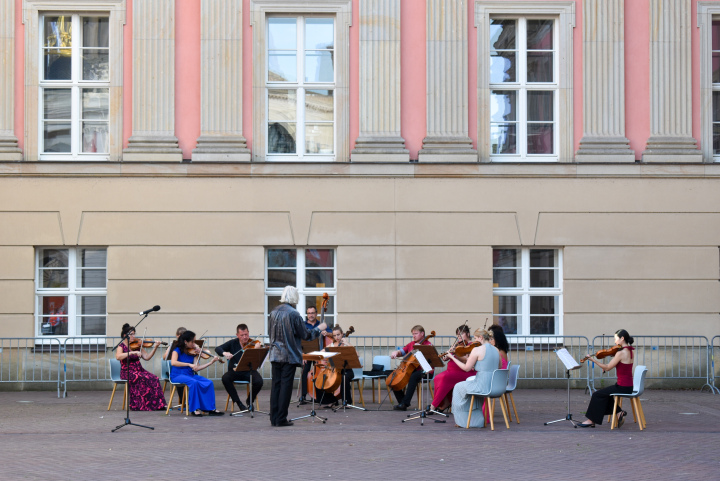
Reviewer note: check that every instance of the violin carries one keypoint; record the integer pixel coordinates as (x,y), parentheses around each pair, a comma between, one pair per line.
(204,353)
(252,344)
(398,379)
(603,353)
(135,345)
(462,350)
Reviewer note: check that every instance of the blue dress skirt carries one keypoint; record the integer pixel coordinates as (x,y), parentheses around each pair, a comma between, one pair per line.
(201,391)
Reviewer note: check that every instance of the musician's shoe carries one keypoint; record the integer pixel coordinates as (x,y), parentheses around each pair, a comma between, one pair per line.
(284,424)
(400,407)
(583,425)
(215,413)
(303,401)
(242,407)
(621,418)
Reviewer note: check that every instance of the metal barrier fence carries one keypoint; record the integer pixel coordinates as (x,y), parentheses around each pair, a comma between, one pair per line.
(30,360)
(83,360)
(666,357)
(714,349)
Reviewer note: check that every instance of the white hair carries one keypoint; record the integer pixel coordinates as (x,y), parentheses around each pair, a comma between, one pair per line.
(290,295)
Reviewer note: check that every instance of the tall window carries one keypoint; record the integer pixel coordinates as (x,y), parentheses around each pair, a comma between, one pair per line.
(312,271)
(300,88)
(524,89)
(74,87)
(71,291)
(527,291)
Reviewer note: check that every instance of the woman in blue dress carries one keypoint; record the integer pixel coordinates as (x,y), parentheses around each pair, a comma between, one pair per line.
(484,359)
(201,391)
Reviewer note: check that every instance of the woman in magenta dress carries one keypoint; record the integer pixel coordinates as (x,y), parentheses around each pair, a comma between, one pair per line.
(145,392)
(446,380)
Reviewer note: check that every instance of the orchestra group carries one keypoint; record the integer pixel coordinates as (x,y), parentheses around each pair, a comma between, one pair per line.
(470,366)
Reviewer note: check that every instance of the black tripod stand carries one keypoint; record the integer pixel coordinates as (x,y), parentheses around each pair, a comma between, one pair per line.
(127,374)
(570,365)
(313,414)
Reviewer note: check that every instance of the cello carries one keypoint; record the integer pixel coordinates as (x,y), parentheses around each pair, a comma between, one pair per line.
(327,377)
(398,379)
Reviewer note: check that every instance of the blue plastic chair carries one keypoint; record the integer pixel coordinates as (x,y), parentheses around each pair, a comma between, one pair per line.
(165,368)
(638,389)
(498,385)
(115,378)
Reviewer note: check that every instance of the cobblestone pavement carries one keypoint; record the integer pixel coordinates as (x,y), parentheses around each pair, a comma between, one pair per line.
(43,437)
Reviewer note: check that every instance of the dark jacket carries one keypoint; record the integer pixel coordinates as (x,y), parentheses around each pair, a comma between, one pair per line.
(287,329)
(232,346)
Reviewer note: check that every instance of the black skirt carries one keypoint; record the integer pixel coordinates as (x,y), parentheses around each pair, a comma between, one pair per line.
(601,403)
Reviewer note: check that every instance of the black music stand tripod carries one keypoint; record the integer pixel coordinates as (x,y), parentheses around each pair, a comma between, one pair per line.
(428,355)
(313,414)
(570,365)
(129,382)
(347,358)
(251,360)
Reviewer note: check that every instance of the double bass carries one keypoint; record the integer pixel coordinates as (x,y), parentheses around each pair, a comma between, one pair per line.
(398,379)
(310,383)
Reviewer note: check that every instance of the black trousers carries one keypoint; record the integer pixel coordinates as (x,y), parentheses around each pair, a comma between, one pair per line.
(601,403)
(347,376)
(230,377)
(281,392)
(406,396)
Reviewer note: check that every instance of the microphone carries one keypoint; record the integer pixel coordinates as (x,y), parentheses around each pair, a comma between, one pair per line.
(154,309)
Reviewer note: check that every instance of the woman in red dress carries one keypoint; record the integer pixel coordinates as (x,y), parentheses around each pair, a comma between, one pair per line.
(145,392)
(446,380)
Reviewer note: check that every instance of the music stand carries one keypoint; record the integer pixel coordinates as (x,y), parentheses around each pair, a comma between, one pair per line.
(347,358)
(570,365)
(307,347)
(312,358)
(428,355)
(251,360)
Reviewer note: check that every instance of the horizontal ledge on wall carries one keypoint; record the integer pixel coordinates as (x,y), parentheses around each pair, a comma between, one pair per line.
(345,169)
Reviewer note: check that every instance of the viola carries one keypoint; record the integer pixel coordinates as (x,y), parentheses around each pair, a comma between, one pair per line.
(398,379)
(135,345)
(603,353)
(462,350)
(203,353)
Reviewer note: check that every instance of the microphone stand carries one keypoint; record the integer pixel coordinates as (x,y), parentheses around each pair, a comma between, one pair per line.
(127,374)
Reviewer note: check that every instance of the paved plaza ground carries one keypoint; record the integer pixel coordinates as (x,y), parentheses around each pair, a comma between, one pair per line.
(46,438)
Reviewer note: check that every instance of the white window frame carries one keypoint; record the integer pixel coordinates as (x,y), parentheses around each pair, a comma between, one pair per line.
(33,11)
(73,292)
(300,283)
(563,12)
(301,87)
(705,13)
(341,10)
(525,292)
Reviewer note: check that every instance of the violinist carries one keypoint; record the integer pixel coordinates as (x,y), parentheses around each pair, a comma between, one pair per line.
(331,399)
(201,392)
(233,351)
(168,351)
(446,380)
(311,322)
(601,403)
(404,398)
(145,392)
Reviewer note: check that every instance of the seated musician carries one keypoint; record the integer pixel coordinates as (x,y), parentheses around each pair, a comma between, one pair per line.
(168,351)
(446,380)
(233,351)
(404,398)
(201,391)
(348,375)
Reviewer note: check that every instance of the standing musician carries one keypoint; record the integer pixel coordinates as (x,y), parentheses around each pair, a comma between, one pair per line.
(287,329)
(601,403)
(311,322)
(404,398)
(233,350)
(348,375)
(446,380)
(201,391)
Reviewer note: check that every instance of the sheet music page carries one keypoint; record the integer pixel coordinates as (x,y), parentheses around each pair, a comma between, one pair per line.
(423,362)
(567,359)
(324,354)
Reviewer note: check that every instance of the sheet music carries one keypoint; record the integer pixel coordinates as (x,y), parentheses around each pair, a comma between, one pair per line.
(423,362)
(323,354)
(567,359)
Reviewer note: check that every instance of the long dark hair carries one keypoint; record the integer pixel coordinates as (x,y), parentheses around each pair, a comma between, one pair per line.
(623,333)
(184,338)
(501,341)
(125,329)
